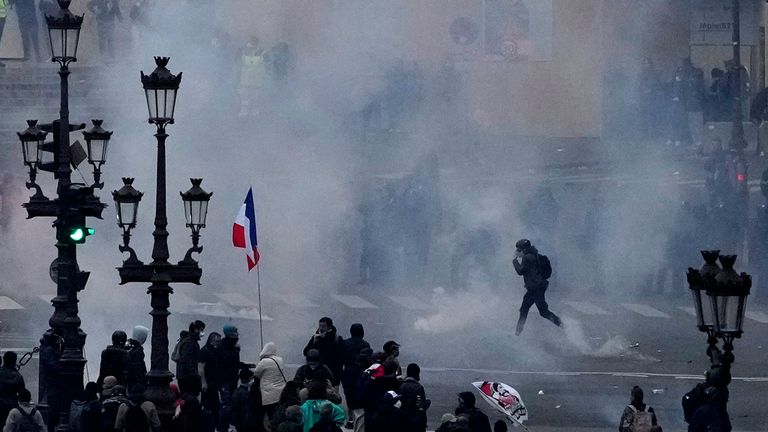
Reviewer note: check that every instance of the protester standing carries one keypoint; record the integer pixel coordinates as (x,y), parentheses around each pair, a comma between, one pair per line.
(208,369)
(114,359)
(271,375)
(137,367)
(25,417)
(11,384)
(186,355)
(477,420)
(637,413)
(329,344)
(414,402)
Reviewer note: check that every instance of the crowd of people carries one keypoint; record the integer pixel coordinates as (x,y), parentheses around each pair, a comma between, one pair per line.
(344,383)
(215,391)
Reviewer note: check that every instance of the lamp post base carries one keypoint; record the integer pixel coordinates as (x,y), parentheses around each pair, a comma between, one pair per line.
(159,392)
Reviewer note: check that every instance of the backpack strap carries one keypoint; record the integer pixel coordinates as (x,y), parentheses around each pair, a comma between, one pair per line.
(279,368)
(632,407)
(30,414)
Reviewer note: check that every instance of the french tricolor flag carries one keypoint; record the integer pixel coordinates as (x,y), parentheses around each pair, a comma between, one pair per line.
(244,231)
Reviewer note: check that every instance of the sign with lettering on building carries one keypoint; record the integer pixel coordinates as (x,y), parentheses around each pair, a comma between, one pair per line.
(712,22)
(517,30)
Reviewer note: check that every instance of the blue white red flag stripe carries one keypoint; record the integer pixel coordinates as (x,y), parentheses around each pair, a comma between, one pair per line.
(244,231)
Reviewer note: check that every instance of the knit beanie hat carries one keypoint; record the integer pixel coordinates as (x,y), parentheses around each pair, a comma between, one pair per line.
(230,330)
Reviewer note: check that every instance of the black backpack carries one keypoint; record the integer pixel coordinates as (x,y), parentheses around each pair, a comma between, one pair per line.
(135,418)
(109,409)
(545,266)
(27,423)
(76,413)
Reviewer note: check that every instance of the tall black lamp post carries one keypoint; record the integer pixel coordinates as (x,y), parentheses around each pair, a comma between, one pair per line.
(61,355)
(719,298)
(160,87)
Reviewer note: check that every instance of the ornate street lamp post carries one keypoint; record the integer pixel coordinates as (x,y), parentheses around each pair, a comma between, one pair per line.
(160,87)
(719,298)
(61,355)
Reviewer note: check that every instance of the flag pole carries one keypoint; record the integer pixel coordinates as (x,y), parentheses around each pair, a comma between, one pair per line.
(261,327)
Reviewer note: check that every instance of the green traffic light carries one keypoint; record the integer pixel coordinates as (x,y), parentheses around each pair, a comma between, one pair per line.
(77,234)
(80,233)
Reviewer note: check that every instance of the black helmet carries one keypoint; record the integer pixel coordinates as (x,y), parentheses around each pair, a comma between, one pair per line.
(523,244)
(119,337)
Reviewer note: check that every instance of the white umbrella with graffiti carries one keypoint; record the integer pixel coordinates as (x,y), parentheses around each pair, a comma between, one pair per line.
(505,399)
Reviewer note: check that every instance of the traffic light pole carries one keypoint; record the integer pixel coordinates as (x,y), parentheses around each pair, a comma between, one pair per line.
(62,369)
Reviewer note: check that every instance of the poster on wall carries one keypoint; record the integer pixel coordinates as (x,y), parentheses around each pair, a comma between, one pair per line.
(517,30)
(712,22)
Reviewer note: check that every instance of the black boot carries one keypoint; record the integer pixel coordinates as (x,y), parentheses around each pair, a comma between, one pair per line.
(520,325)
(555,319)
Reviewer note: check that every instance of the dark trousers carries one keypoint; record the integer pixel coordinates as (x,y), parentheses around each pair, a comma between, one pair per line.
(535,296)
(210,401)
(191,385)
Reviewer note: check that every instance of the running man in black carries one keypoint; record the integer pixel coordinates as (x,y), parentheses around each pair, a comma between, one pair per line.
(535,270)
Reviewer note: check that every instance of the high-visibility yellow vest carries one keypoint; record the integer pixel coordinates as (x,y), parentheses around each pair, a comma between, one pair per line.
(3,9)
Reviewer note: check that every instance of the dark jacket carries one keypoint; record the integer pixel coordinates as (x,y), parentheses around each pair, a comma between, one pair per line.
(325,426)
(354,367)
(305,375)
(380,415)
(210,357)
(414,404)
(91,417)
(290,426)
(376,389)
(350,349)
(478,421)
(711,417)
(137,368)
(11,382)
(189,354)
(385,417)
(247,412)
(330,347)
(114,362)
(109,408)
(229,363)
(530,269)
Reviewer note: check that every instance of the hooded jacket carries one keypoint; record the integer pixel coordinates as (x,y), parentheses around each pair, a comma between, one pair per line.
(137,368)
(311,411)
(189,353)
(478,421)
(351,347)
(114,362)
(330,347)
(11,383)
(271,372)
(530,269)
